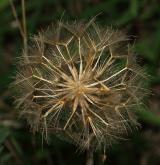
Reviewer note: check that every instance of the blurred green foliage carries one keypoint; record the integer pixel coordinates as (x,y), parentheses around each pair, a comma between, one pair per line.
(141,20)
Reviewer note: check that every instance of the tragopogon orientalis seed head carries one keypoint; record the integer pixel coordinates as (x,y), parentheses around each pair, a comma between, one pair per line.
(81,82)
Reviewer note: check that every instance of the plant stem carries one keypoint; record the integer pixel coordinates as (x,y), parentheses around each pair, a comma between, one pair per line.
(89,156)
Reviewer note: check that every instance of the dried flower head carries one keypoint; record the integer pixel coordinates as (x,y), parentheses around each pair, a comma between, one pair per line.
(81,82)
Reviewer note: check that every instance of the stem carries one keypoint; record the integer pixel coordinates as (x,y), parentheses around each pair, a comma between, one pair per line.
(16,18)
(89,157)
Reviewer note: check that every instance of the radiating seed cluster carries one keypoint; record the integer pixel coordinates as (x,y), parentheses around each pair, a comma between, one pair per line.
(81,82)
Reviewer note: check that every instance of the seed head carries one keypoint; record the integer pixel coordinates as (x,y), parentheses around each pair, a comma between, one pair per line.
(81,82)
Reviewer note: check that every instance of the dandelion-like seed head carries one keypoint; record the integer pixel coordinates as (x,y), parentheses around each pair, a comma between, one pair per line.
(81,82)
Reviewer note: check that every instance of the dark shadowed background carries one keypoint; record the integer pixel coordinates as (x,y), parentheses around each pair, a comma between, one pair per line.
(141,20)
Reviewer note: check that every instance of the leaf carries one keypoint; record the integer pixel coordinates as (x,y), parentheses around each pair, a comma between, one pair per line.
(134,7)
(1,149)
(17,146)
(148,117)
(4,133)
(3,4)
(5,158)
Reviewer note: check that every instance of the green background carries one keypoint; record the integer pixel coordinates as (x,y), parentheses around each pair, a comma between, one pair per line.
(141,20)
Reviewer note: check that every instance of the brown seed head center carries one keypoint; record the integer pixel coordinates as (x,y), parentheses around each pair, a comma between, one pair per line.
(78,88)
